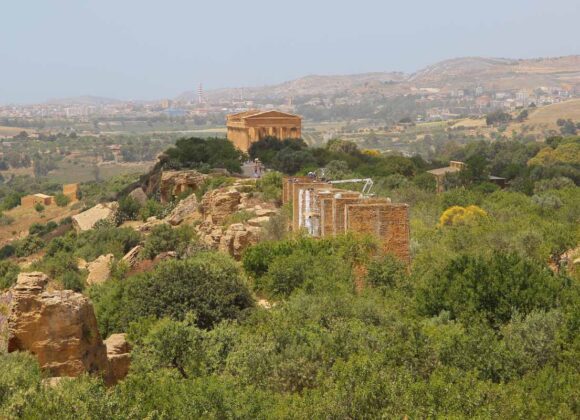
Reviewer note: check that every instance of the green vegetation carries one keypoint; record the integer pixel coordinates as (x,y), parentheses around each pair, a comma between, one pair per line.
(204,154)
(499,117)
(209,285)
(8,273)
(61,200)
(482,324)
(164,238)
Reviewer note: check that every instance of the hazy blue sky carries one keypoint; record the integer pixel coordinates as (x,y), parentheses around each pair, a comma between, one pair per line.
(141,49)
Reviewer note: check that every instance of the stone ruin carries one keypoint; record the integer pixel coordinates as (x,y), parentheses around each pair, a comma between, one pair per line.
(323,210)
(220,204)
(173,183)
(59,327)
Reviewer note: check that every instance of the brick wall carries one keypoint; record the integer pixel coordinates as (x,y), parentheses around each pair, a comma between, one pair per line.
(388,222)
(333,212)
(338,207)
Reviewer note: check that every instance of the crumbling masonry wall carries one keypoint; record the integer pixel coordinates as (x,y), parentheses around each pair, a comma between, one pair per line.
(388,222)
(302,196)
(323,210)
(338,210)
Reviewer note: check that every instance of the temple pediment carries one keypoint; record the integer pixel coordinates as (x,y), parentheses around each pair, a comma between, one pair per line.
(271,114)
(245,128)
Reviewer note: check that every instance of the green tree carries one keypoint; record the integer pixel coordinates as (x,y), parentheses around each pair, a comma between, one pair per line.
(61,200)
(8,274)
(164,238)
(128,209)
(209,285)
(495,288)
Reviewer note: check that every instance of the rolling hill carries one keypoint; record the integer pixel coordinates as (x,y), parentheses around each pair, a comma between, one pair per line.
(458,73)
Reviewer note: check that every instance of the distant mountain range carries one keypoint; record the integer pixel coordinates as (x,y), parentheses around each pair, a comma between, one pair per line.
(459,73)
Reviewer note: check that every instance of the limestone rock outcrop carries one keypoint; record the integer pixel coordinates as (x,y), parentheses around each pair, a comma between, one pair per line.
(119,356)
(237,237)
(183,210)
(173,183)
(100,269)
(220,203)
(59,327)
(87,219)
(217,206)
(138,195)
(132,257)
(150,224)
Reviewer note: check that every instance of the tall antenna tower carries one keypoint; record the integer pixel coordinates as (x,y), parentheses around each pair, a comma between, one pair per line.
(200,94)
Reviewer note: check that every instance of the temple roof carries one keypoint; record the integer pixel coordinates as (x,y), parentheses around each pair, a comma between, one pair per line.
(257,113)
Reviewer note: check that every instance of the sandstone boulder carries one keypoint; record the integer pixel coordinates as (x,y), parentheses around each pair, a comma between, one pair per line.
(138,195)
(58,327)
(100,269)
(132,257)
(237,237)
(119,356)
(87,219)
(173,183)
(260,212)
(259,221)
(150,224)
(185,208)
(218,204)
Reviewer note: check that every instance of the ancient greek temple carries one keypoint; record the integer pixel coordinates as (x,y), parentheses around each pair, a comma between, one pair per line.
(248,127)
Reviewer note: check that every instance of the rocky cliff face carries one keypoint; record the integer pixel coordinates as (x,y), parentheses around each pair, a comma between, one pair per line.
(175,182)
(59,327)
(183,210)
(219,205)
(118,355)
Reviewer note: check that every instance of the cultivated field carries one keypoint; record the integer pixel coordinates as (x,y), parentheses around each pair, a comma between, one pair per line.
(69,173)
(10,131)
(24,217)
(543,120)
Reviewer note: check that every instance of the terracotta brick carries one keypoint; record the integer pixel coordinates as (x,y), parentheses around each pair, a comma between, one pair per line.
(338,207)
(388,222)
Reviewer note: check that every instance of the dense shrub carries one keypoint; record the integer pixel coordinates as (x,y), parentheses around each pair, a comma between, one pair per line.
(8,274)
(107,239)
(209,285)
(28,246)
(270,185)
(153,208)
(280,267)
(204,154)
(73,280)
(128,209)
(164,238)
(61,200)
(40,229)
(386,271)
(495,288)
